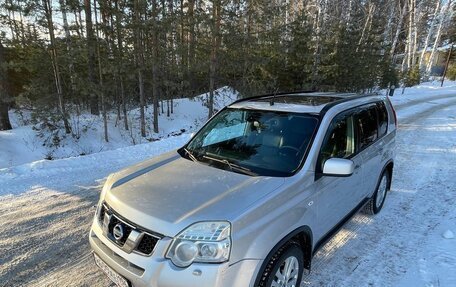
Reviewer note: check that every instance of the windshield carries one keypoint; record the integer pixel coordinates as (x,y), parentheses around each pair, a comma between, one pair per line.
(253,142)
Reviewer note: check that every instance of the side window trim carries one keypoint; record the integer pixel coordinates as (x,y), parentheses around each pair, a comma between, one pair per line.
(352,111)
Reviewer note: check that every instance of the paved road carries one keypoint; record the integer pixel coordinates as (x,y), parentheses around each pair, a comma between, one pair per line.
(43,238)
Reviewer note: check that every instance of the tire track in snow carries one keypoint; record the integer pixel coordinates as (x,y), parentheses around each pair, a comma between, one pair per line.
(46,232)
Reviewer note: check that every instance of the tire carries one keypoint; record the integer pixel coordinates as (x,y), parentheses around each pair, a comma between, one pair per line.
(290,254)
(375,203)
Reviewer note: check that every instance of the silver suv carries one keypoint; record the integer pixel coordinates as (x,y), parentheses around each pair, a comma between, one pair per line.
(251,197)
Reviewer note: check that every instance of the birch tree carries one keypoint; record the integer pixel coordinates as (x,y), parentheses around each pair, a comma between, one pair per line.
(442,19)
(429,34)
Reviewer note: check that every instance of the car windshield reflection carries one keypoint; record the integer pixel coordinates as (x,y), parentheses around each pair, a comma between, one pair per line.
(255,142)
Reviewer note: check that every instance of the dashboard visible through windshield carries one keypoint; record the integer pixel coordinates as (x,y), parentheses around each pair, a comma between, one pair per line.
(253,142)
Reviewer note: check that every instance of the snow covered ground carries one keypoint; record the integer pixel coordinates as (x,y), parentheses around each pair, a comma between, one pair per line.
(46,208)
(22,144)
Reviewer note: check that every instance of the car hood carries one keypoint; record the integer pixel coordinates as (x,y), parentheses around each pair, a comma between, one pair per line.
(168,193)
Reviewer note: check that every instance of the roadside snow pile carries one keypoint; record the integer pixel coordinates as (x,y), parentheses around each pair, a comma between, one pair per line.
(22,144)
(448,234)
(423,90)
(82,170)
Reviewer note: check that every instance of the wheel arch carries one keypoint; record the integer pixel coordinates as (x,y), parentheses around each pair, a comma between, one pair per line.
(302,235)
(389,166)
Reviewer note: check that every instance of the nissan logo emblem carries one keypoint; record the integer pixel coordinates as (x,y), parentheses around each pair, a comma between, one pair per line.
(118,231)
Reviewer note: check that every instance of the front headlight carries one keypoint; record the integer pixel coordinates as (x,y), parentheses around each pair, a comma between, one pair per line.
(206,242)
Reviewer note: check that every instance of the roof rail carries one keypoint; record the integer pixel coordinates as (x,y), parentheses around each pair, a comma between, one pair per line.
(273,95)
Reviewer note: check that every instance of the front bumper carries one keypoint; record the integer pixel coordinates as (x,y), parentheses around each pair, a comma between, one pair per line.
(157,271)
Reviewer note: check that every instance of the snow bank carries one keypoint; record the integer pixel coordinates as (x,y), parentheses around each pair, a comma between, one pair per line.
(423,90)
(22,145)
(76,171)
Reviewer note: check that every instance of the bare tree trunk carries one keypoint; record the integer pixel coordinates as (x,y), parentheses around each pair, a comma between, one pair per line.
(21,21)
(246,46)
(80,20)
(120,56)
(55,65)
(77,23)
(63,8)
(124,104)
(100,73)
(191,46)
(431,30)
(321,11)
(415,34)
(5,123)
(184,51)
(14,23)
(139,51)
(93,98)
(366,25)
(216,10)
(398,28)
(437,37)
(11,23)
(174,63)
(450,52)
(410,40)
(155,64)
(389,25)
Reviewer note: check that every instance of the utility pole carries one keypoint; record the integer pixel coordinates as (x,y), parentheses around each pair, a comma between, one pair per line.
(446,65)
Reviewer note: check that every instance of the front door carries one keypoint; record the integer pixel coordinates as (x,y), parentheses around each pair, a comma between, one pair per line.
(336,196)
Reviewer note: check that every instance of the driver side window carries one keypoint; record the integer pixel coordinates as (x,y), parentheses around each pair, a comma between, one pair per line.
(340,139)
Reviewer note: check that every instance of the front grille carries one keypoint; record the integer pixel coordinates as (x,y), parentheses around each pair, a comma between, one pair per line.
(144,243)
(147,244)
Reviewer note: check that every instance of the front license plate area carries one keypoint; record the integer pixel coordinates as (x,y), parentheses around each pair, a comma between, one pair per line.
(113,275)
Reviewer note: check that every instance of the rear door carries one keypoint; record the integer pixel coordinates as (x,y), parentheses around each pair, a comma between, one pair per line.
(335,197)
(370,146)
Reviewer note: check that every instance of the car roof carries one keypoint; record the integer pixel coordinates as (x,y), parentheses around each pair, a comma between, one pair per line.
(300,102)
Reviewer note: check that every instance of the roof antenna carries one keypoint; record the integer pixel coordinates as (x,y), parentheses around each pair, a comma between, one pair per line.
(273,97)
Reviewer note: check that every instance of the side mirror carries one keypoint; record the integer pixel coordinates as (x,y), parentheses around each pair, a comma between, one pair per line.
(338,167)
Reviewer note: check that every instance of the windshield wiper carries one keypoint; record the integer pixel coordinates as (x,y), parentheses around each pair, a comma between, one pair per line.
(231,165)
(190,155)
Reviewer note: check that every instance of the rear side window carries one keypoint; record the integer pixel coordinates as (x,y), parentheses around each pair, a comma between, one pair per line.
(366,121)
(382,119)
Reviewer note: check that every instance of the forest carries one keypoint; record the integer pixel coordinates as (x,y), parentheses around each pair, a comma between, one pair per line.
(60,58)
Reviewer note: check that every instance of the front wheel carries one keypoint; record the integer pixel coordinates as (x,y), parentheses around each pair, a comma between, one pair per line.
(285,268)
(375,204)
